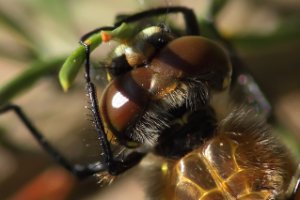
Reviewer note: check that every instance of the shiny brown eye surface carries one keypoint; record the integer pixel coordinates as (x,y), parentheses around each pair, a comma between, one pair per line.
(124,99)
(194,56)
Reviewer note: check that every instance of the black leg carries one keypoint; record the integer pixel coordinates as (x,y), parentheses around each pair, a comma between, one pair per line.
(190,19)
(114,167)
(95,108)
(79,171)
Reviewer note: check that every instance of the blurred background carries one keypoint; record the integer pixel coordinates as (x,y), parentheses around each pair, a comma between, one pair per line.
(41,34)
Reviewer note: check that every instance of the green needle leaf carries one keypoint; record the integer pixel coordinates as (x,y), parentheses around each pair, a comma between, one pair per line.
(27,78)
(71,66)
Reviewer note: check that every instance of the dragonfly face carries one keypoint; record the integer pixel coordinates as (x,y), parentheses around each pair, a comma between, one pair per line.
(140,105)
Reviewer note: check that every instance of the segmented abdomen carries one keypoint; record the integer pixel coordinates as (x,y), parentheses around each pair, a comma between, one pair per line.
(231,166)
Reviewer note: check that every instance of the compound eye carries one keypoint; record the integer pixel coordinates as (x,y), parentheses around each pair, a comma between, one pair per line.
(123,102)
(194,56)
